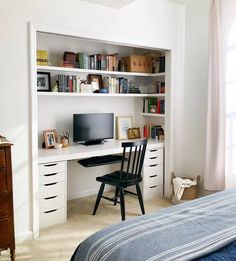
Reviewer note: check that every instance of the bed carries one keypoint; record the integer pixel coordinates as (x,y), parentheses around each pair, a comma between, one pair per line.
(203,229)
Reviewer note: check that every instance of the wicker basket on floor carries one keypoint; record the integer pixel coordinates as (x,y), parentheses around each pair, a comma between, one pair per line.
(189,193)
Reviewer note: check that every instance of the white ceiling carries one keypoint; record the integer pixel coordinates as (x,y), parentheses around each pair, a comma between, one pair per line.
(111,3)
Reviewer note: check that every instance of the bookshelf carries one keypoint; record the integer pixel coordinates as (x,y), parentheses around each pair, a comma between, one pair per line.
(53,110)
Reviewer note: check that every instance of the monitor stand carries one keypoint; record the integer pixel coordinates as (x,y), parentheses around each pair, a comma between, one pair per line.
(93,142)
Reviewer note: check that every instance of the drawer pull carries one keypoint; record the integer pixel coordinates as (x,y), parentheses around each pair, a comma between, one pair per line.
(50,197)
(153,157)
(52,174)
(49,211)
(153,150)
(50,165)
(50,184)
(153,186)
(153,176)
(154,165)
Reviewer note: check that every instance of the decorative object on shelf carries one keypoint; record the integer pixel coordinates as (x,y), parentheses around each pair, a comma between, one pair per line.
(123,123)
(50,138)
(138,63)
(43,82)
(65,140)
(42,57)
(57,146)
(134,133)
(103,90)
(3,140)
(97,79)
(133,88)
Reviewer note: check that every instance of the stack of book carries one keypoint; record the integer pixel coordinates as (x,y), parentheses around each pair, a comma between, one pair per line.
(68,83)
(42,57)
(154,105)
(153,131)
(104,62)
(69,60)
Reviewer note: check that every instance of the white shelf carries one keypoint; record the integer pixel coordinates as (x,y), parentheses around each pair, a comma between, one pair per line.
(67,94)
(153,115)
(65,70)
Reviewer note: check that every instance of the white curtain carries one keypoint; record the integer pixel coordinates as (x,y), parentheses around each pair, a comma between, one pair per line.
(214,178)
(221,97)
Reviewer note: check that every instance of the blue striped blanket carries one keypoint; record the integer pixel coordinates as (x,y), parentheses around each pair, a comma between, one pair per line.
(182,232)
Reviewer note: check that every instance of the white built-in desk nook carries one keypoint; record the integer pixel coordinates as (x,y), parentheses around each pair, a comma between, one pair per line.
(53,174)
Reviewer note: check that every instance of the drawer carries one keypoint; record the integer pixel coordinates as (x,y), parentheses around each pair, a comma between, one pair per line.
(51,203)
(4,207)
(2,159)
(3,181)
(52,189)
(154,156)
(153,192)
(4,234)
(52,217)
(52,177)
(52,167)
(153,180)
(152,170)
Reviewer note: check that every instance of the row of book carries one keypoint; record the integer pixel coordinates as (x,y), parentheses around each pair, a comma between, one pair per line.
(153,131)
(68,83)
(105,62)
(153,105)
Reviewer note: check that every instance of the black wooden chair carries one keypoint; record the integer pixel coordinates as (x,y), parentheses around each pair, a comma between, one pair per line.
(130,175)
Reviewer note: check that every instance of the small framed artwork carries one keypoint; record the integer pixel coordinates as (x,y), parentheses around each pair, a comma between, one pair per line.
(123,123)
(96,79)
(50,138)
(43,82)
(134,133)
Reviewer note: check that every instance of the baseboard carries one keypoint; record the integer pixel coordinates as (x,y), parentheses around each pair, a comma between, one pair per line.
(24,236)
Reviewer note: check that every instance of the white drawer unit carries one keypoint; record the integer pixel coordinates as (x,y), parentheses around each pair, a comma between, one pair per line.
(52,193)
(153,173)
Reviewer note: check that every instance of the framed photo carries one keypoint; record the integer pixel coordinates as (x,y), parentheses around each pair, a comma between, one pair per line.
(97,79)
(123,123)
(50,138)
(43,82)
(134,133)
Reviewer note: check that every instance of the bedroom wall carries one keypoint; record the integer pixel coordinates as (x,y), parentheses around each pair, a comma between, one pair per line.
(195,90)
(154,22)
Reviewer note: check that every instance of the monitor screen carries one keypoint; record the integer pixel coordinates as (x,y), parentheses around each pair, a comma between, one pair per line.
(94,127)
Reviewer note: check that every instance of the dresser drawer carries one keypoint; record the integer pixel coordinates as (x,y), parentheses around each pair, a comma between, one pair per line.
(154,156)
(153,181)
(51,203)
(4,207)
(52,189)
(4,233)
(52,217)
(52,167)
(3,181)
(152,192)
(52,177)
(2,159)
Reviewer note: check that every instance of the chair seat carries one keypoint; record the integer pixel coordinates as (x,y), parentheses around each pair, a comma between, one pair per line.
(113,179)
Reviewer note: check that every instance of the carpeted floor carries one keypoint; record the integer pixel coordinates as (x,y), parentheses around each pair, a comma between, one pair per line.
(58,242)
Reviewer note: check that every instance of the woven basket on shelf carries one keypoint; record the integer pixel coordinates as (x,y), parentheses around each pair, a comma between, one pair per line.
(191,192)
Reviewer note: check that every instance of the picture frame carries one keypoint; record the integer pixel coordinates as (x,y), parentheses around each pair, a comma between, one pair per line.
(95,78)
(43,82)
(123,123)
(50,138)
(134,133)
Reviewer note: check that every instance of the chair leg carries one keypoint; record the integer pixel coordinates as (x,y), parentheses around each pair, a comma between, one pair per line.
(98,198)
(140,198)
(116,195)
(122,204)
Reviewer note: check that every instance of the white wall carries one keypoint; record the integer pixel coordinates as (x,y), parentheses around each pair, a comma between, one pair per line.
(151,23)
(195,90)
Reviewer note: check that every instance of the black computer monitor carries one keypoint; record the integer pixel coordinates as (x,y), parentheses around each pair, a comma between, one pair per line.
(93,128)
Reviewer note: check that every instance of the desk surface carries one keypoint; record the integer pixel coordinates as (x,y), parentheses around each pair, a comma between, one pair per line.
(79,151)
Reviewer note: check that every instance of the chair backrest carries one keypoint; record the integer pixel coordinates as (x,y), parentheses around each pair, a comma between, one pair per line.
(135,152)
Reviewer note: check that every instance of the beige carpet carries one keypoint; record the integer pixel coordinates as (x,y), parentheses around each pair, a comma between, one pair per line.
(57,243)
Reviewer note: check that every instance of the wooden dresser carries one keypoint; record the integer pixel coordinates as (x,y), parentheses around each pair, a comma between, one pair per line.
(7,238)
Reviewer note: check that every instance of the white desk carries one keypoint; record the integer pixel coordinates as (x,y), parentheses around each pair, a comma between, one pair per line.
(53,175)
(78,151)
